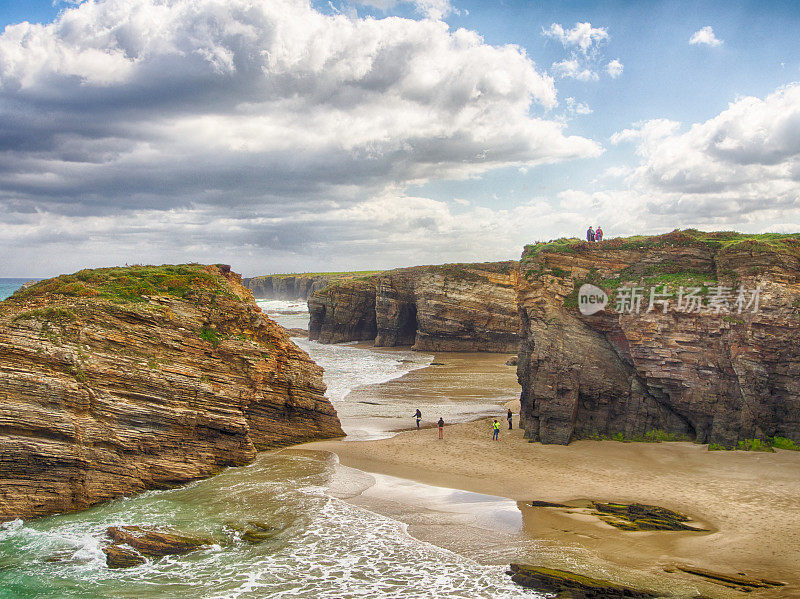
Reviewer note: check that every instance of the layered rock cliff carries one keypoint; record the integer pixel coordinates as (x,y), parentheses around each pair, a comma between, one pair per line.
(296,286)
(712,360)
(453,307)
(113,381)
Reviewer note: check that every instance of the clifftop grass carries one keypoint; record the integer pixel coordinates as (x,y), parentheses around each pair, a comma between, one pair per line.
(539,259)
(130,284)
(333,275)
(713,241)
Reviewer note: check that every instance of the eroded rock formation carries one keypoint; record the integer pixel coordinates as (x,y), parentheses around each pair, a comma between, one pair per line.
(453,307)
(712,377)
(113,381)
(285,287)
(296,286)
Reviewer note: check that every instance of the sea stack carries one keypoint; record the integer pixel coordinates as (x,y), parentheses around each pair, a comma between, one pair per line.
(451,307)
(117,380)
(726,372)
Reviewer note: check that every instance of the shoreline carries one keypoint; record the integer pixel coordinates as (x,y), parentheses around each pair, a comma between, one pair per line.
(748,502)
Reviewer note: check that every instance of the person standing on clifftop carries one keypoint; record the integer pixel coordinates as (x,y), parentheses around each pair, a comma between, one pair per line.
(510,417)
(441,427)
(598,235)
(418,416)
(590,234)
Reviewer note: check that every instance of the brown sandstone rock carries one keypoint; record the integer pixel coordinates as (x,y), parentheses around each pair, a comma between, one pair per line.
(715,378)
(453,307)
(156,543)
(113,381)
(122,557)
(570,584)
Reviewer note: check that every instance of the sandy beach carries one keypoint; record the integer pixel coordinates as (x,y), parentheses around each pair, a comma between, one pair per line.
(749,503)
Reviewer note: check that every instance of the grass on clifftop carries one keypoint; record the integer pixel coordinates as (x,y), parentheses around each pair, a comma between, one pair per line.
(714,241)
(130,284)
(333,275)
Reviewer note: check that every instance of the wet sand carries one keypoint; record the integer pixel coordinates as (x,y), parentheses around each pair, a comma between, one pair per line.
(460,387)
(749,502)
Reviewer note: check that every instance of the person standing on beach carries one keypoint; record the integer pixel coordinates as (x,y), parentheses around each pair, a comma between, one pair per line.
(495,430)
(509,417)
(441,427)
(418,416)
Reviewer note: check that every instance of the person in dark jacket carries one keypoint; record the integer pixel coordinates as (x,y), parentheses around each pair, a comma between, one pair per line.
(590,234)
(441,427)
(418,416)
(509,417)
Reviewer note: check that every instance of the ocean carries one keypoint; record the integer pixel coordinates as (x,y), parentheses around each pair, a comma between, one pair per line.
(9,286)
(326,547)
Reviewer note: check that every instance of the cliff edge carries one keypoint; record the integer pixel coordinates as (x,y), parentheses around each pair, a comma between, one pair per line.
(452,307)
(296,286)
(698,338)
(117,380)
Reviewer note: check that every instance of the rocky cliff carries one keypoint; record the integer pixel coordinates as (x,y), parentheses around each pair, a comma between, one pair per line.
(453,307)
(713,359)
(117,380)
(296,286)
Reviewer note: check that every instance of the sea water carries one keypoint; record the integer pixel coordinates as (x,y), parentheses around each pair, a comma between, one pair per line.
(9,286)
(368,410)
(325,547)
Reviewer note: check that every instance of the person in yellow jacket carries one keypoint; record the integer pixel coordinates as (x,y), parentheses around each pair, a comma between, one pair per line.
(495,430)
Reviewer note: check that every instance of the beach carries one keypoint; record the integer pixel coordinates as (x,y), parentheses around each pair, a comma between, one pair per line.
(747,502)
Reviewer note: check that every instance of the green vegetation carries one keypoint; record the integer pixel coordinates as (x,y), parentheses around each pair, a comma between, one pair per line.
(665,273)
(715,241)
(79,374)
(130,284)
(210,335)
(784,443)
(759,445)
(754,445)
(332,275)
(718,447)
(652,436)
(47,314)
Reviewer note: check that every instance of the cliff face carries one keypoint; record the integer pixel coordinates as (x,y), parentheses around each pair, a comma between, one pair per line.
(298,286)
(285,287)
(454,307)
(113,381)
(716,376)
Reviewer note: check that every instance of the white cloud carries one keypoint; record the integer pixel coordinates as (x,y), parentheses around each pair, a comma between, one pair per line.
(705,36)
(741,167)
(582,35)
(576,108)
(614,68)
(617,172)
(584,61)
(236,113)
(649,131)
(573,69)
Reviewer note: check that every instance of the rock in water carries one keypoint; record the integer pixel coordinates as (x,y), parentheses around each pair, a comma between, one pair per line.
(156,543)
(122,557)
(572,585)
(714,376)
(118,380)
(452,307)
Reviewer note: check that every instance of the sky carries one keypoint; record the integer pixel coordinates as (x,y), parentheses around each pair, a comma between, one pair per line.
(306,136)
